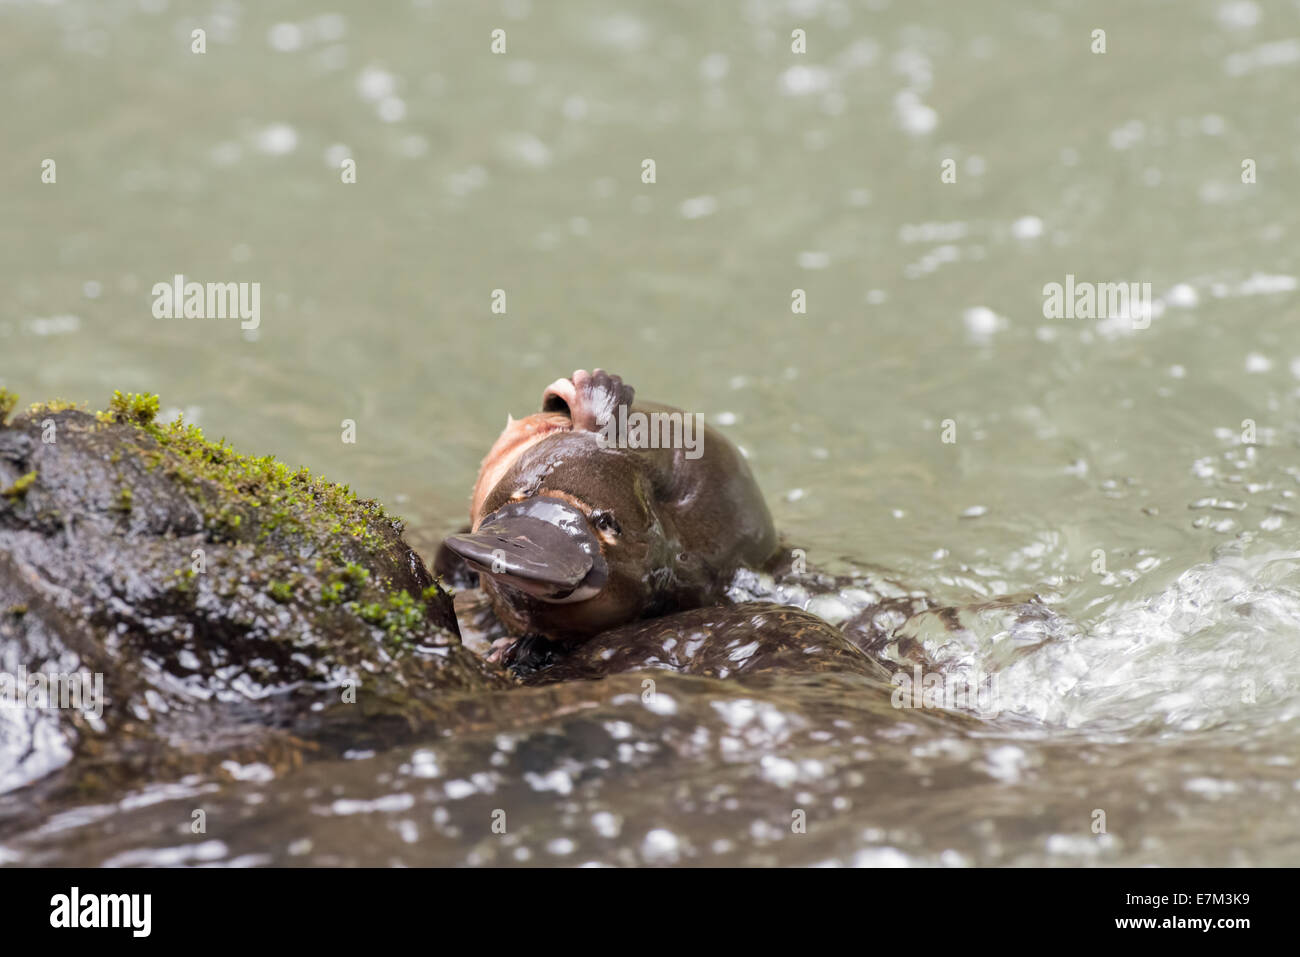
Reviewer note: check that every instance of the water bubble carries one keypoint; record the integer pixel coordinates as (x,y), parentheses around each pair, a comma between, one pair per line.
(285,37)
(1183,296)
(561,846)
(699,206)
(881,857)
(1005,763)
(982,322)
(660,846)
(1210,787)
(278,139)
(714,67)
(1277,53)
(1238,14)
(392,109)
(335,154)
(830,608)
(913,116)
(1027,227)
(375,84)
(458,789)
(805,80)
(60,325)
(1131,133)
(521,72)
(575,107)
(527,149)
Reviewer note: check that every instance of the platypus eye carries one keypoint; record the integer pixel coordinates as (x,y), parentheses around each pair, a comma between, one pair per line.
(604,521)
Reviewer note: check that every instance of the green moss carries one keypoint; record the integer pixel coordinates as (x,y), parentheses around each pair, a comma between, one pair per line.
(139,408)
(20,487)
(372,612)
(289,502)
(125,499)
(8,402)
(184,579)
(404,614)
(399,615)
(54,405)
(344,584)
(226,522)
(354,574)
(280,591)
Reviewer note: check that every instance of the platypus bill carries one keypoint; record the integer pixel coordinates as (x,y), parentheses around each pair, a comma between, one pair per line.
(573,533)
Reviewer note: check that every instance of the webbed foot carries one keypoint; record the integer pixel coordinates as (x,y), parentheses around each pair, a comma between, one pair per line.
(590,399)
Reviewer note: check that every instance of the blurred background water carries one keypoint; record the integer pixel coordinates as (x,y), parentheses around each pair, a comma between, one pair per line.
(775,171)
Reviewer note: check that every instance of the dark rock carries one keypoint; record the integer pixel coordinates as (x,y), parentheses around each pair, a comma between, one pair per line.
(234,608)
(726,641)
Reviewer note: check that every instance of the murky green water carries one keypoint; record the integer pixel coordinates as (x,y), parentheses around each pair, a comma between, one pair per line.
(1169,698)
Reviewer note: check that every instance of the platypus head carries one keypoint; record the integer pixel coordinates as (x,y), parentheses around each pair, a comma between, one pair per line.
(564,533)
(577,525)
(569,542)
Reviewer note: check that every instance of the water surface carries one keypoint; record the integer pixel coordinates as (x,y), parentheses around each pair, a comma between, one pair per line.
(1166,688)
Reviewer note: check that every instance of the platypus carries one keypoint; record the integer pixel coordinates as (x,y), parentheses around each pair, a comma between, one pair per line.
(576,527)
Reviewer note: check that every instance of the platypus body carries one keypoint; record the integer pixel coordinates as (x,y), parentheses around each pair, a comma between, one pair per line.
(576,527)
(596,555)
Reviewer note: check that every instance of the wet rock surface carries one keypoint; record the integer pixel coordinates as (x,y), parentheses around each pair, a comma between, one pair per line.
(749,639)
(276,656)
(233,609)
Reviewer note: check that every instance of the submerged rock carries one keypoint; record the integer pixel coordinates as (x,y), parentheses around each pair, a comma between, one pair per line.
(205,605)
(725,641)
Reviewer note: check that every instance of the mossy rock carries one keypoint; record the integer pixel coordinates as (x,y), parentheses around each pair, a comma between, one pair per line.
(234,606)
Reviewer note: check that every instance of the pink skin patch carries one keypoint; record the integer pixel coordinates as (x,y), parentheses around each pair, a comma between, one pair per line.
(564,389)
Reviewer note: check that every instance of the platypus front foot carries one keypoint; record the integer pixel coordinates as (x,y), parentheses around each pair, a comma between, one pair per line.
(500,649)
(523,656)
(590,399)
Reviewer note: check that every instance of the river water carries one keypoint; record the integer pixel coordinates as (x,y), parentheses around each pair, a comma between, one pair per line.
(920,173)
